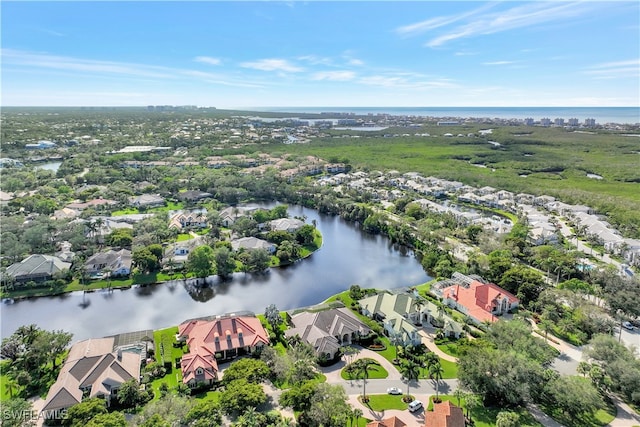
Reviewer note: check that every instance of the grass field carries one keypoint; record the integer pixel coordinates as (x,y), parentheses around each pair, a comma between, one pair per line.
(536,160)
(382,402)
(376,372)
(600,418)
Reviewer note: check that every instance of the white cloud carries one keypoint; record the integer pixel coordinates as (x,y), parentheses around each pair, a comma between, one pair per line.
(440,21)
(614,70)
(208,60)
(316,60)
(93,68)
(407,81)
(340,76)
(272,64)
(521,16)
(16,57)
(499,63)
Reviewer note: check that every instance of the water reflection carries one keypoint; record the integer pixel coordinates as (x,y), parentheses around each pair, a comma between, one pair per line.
(347,257)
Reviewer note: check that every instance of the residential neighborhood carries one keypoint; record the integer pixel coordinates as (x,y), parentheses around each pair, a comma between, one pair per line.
(229,227)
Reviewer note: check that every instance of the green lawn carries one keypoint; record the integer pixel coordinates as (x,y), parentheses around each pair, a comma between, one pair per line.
(183,236)
(382,402)
(486,417)
(376,372)
(450,347)
(602,417)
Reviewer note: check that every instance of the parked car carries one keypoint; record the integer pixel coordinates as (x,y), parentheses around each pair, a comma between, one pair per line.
(628,325)
(415,405)
(635,322)
(394,390)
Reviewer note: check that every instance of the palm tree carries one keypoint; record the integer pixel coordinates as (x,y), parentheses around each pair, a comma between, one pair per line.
(396,340)
(410,371)
(364,366)
(459,394)
(471,401)
(107,272)
(419,303)
(11,386)
(583,368)
(431,359)
(436,371)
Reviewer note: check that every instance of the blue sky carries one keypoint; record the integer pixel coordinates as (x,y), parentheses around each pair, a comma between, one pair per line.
(382,53)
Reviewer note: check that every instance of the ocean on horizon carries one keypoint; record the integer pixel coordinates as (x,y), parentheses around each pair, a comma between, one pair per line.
(603,115)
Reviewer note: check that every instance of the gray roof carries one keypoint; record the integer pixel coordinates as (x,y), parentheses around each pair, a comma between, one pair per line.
(37,266)
(111,259)
(285,224)
(250,243)
(91,364)
(320,328)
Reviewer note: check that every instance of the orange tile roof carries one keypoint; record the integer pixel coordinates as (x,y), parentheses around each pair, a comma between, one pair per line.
(205,338)
(444,414)
(387,422)
(479,298)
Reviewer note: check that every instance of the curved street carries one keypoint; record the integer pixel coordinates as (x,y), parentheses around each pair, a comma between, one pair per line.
(423,389)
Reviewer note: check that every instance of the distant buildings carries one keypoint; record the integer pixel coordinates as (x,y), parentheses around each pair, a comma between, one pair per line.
(41,145)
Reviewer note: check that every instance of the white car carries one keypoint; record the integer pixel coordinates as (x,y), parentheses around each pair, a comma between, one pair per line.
(415,405)
(628,325)
(394,390)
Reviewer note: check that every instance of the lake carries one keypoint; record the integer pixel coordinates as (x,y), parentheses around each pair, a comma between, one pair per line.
(348,256)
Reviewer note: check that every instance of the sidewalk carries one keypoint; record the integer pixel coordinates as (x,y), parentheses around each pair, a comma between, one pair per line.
(427,340)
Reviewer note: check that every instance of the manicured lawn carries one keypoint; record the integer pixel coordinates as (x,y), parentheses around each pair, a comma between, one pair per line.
(486,417)
(382,402)
(450,369)
(602,417)
(425,288)
(183,236)
(451,347)
(208,395)
(128,211)
(375,372)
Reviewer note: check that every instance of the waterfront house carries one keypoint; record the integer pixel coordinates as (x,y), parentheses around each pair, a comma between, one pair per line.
(327,330)
(93,369)
(290,225)
(193,195)
(117,262)
(251,243)
(37,268)
(217,339)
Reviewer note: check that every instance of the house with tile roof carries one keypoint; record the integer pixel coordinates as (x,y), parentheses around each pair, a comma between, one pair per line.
(147,201)
(250,243)
(327,330)
(184,220)
(92,369)
(444,414)
(117,262)
(221,338)
(37,268)
(387,422)
(290,225)
(400,314)
(482,302)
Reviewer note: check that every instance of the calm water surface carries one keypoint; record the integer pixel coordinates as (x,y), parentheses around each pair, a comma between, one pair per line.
(347,257)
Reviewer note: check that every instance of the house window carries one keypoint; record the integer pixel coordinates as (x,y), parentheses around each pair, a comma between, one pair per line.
(199,371)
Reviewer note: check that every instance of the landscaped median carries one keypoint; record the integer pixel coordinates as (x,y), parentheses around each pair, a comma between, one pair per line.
(383,402)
